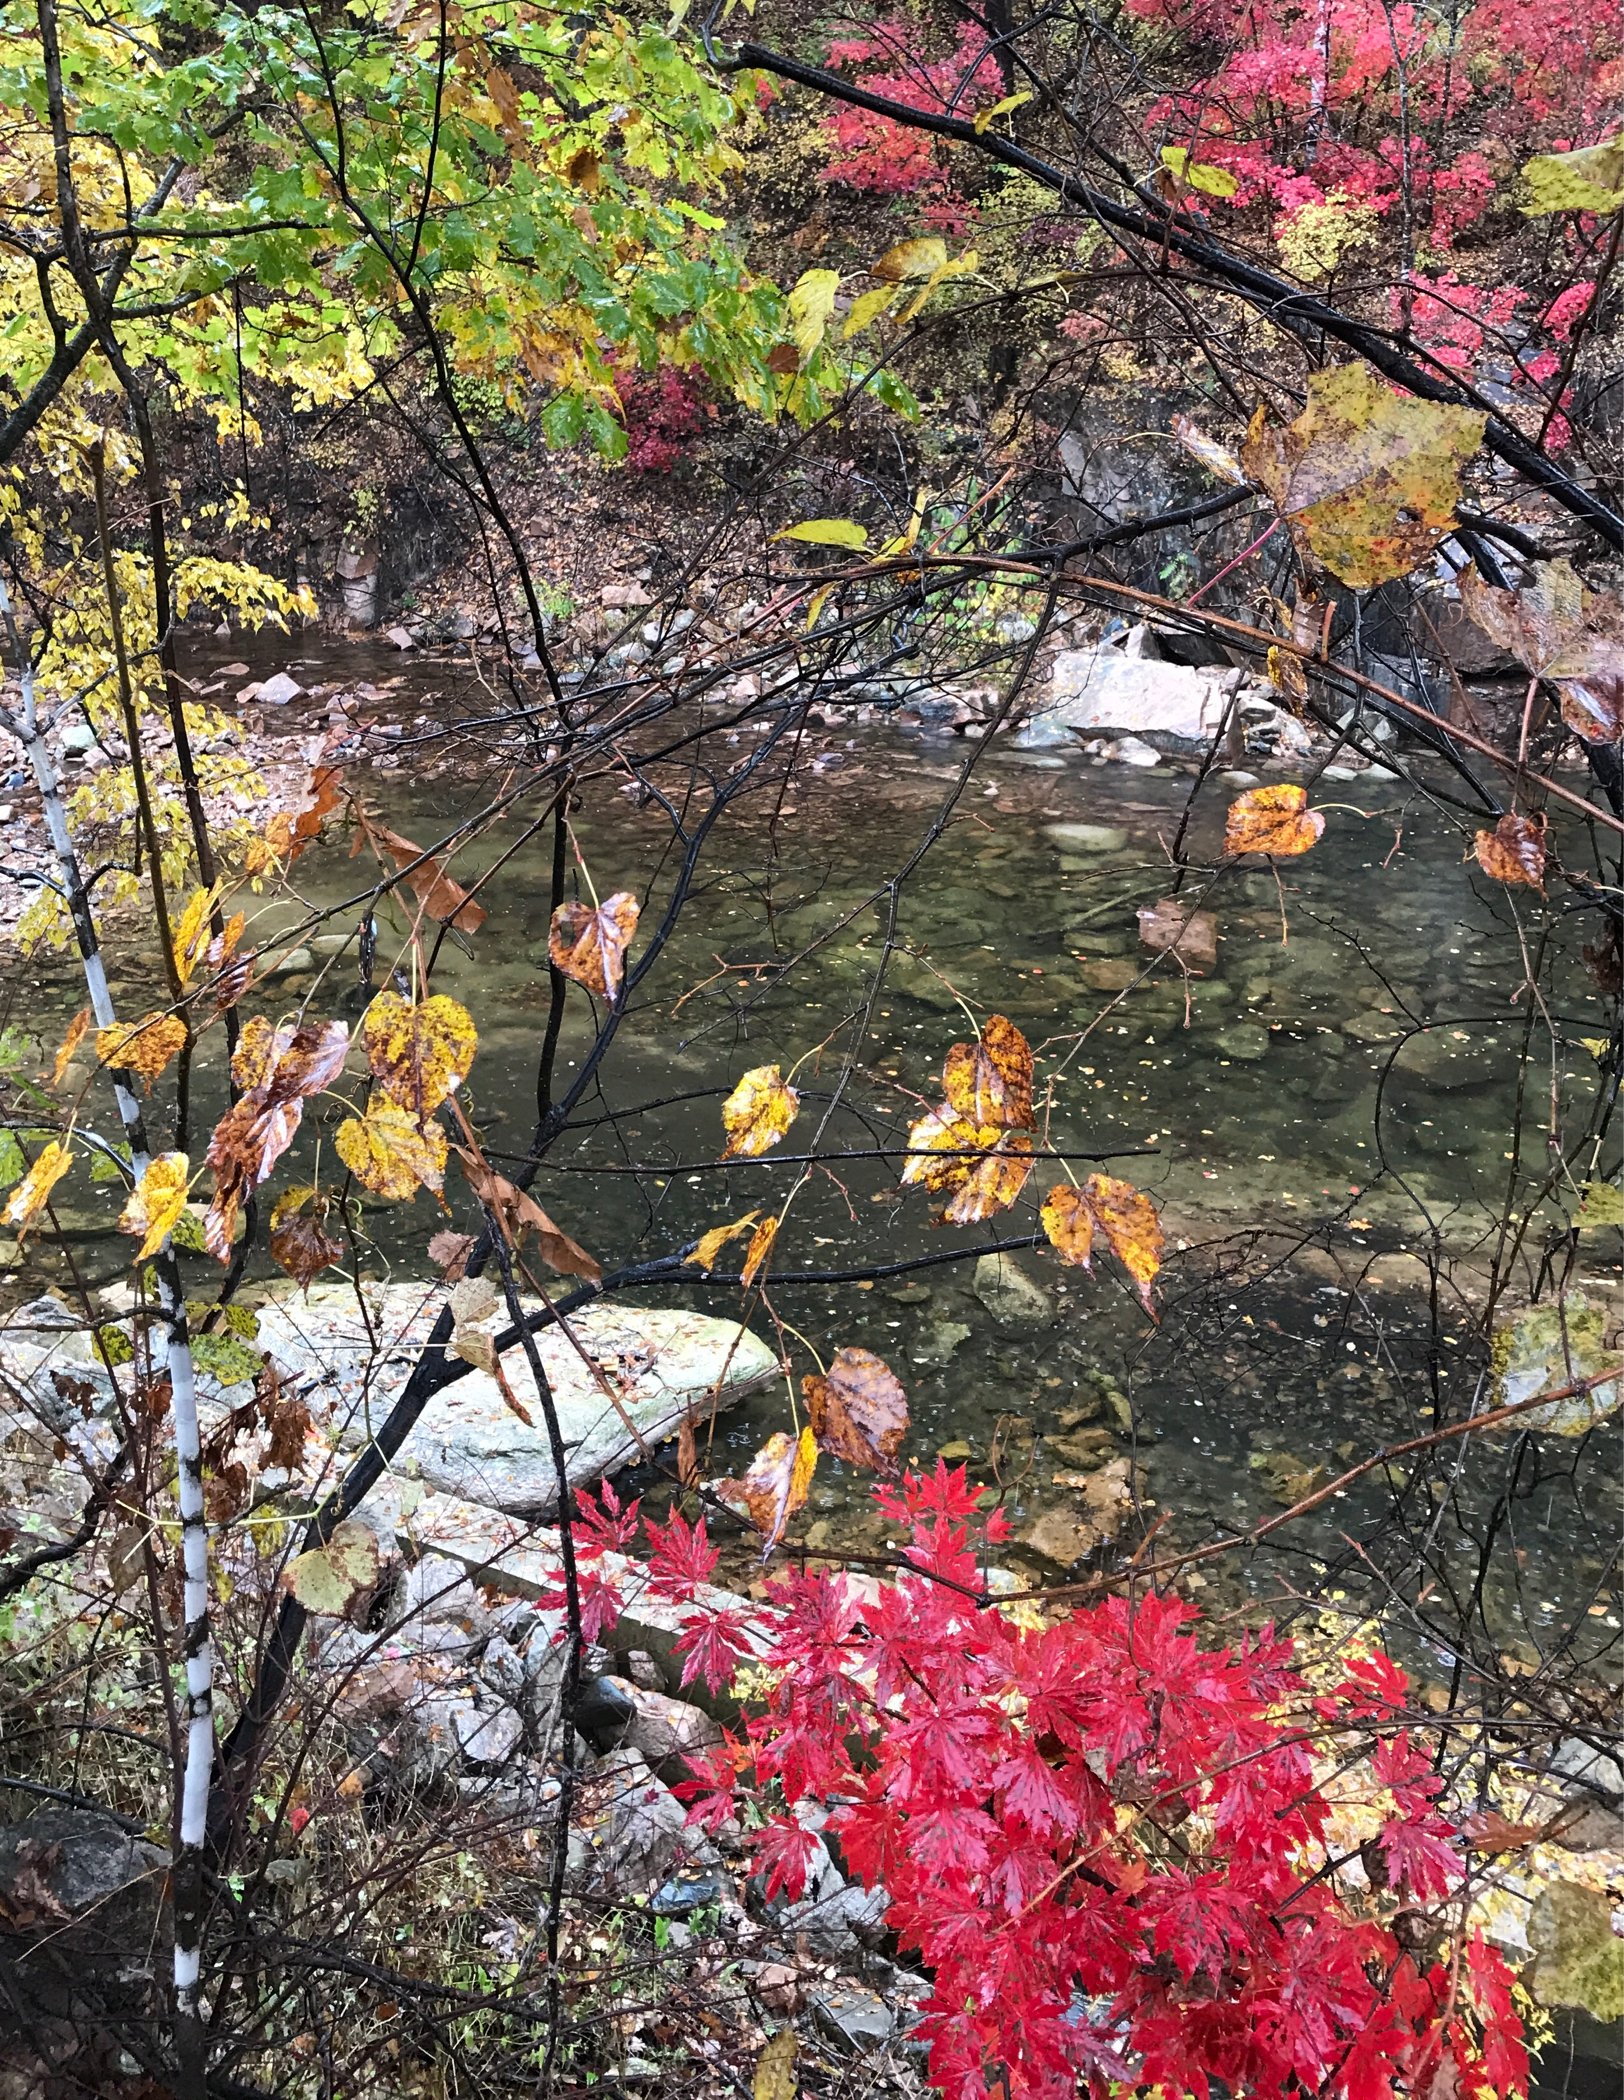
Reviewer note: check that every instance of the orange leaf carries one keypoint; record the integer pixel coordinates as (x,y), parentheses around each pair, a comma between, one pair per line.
(288,831)
(427,880)
(1125,1219)
(775,1486)
(755,1255)
(1514,851)
(301,1245)
(78,1027)
(990,1081)
(758,1112)
(1273,820)
(711,1243)
(859,1410)
(141,1047)
(589,942)
(982,1166)
(1069,1223)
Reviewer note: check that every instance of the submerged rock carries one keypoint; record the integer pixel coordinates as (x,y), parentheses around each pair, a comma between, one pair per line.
(645,1372)
(1013,1298)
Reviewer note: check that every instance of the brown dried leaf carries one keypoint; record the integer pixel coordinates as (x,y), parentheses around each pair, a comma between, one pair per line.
(1367,478)
(1173,925)
(276,1067)
(390,1152)
(78,1028)
(143,1047)
(449,1252)
(1560,631)
(776,1484)
(990,1081)
(758,1112)
(287,832)
(419,1053)
(427,879)
(588,942)
(1514,851)
(519,1212)
(301,1245)
(1275,820)
(858,1409)
(284,1062)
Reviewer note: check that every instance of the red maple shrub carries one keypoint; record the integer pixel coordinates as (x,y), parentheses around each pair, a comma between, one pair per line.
(662,412)
(1109,1843)
(883,158)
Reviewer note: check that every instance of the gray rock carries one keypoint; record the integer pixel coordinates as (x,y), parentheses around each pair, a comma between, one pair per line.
(76,739)
(839,1924)
(666,1366)
(502,1668)
(1243,1042)
(1134,751)
(1087,838)
(439,1610)
(666,1731)
(636,1832)
(936,1343)
(488,1732)
(644,1671)
(1448,1060)
(854,2020)
(1011,1296)
(275,691)
(293,964)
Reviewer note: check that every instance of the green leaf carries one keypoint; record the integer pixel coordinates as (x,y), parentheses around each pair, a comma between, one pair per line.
(13,1161)
(1592,179)
(226,1358)
(115,1345)
(1603,1206)
(1199,175)
(329,1580)
(827,532)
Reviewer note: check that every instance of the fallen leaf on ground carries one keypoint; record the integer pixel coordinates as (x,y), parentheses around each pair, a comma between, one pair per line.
(588,942)
(1514,851)
(1275,820)
(758,1112)
(775,2077)
(858,1410)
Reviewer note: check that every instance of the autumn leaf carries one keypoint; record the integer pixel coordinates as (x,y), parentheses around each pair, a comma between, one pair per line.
(191,932)
(990,1080)
(390,1152)
(286,1061)
(1514,851)
(858,1409)
(449,1252)
(1559,631)
(909,260)
(775,1485)
(758,1112)
(440,897)
(981,1166)
(1275,820)
(156,1201)
(276,1066)
(588,942)
(1197,174)
(811,302)
(827,532)
(1288,675)
(711,1243)
(419,1053)
(1367,478)
(78,1029)
(329,1580)
(775,2077)
(32,1193)
(1218,460)
(141,1047)
(301,1245)
(1123,1217)
(756,1253)
(1588,179)
(519,1213)
(287,832)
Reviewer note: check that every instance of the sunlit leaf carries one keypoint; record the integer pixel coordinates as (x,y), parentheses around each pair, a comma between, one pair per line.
(588,942)
(758,1112)
(811,302)
(156,1201)
(909,260)
(301,1245)
(78,1029)
(1199,175)
(419,1053)
(1366,477)
(1589,179)
(390,1152)
(756,1253)
(191,932)
(711,1243)
(1514,851)
(1010,103)
(858,1410)
(1274,819)
(827,532)
(32,1193)
(440,896)
(333,1577)
(960,266)
(990,1080)
(141,1047)
(1217,459)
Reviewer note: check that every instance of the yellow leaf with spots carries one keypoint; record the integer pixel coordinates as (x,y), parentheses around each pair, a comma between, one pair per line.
(1274,819)
(192,932)
(1124,1218)
(390,1152)
(758,1112)
(1367,478)
(329,1579)
(419,1053)
(142,1047)
(32,1193)
(156,1201)
(775,2077)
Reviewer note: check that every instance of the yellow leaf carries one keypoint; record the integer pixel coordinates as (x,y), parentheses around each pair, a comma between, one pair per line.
(1366,477)
(389,1152)
(1124,1217)
(1007,107)
(865,308)
(1216,458)
(815,604)
(1591,179)
(911,259)
(1274,819)
(1199,175)
(30,1195)
(775,2077)
(329,1580)
(192,932)
(775,1486)
(758,1112)
(141,1047)
(827,532)
(588,942)
(419,1053)
(78,1028)
(156,1201)
(755,1255)
(810,305)
(711,1243)
(959,266)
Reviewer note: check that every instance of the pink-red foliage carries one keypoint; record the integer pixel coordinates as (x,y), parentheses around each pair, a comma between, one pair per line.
(883,158)
(662,414)
(1104,1839)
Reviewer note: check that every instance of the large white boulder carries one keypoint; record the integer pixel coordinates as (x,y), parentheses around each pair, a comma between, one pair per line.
(623,1379)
